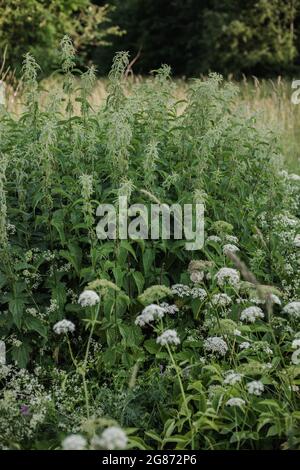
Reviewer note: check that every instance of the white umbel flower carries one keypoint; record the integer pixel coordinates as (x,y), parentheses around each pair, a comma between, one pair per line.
(215,345)
(113,438)
(170,309)
(63,327)
(74,442)
(88,298)
(150,313)
(181,290)
(293,309)
(230,248)
(228,276)
(236,402)
(231,239)
(168,337)
(197,276)
(232,378)
(245,345)
(221,300)
(214,239)
(198,293)
(256,387)
(251,314)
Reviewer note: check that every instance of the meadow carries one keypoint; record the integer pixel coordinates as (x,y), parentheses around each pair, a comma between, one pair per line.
(141,344)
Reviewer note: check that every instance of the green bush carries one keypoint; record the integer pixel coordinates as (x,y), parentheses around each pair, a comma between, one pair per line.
(56,167)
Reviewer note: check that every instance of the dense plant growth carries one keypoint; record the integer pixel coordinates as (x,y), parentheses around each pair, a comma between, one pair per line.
(140,343)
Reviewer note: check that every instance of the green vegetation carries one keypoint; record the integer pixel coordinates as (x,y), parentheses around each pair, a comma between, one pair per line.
(141,343)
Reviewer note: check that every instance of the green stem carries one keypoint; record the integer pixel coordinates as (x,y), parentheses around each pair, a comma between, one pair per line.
(183,394)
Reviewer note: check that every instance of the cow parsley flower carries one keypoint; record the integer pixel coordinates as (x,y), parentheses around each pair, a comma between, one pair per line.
(113,438)
(181,290)
(230,248)
(256,387)
(228,276)
(150,313)
(88,298)
(221,300)
(214,238)
(198,293)
(245,345)
(293,309)
(236,402)
(232,378)
(237,332)
(74,442)
(63,327)
(170,309)
(251,314)
(215,345)
(196,276)
(231,239)
(168,337)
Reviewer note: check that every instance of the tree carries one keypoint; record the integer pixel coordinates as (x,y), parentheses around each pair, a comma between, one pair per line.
(38,25)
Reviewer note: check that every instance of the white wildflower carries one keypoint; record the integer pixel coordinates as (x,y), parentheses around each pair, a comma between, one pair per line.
(237,332)
(113,438)
(294,388)
(170,309)
(216,345)
(293,309)
(232,378)
(214,238)
(255,387)
(150,313)
(181,290)
(251,314)
(231,239)
(196,276)
(88,298)
(63,327)
(228,276)
(74,442)
(245,345)
(198,293)
(229,248)
(168,337)
(221,300)
(236,402)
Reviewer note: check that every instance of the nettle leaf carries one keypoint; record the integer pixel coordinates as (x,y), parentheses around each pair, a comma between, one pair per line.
(131,335)
(58,220)
(16,303)
(21,354)
(74,256)
(139,281)
(35,324)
